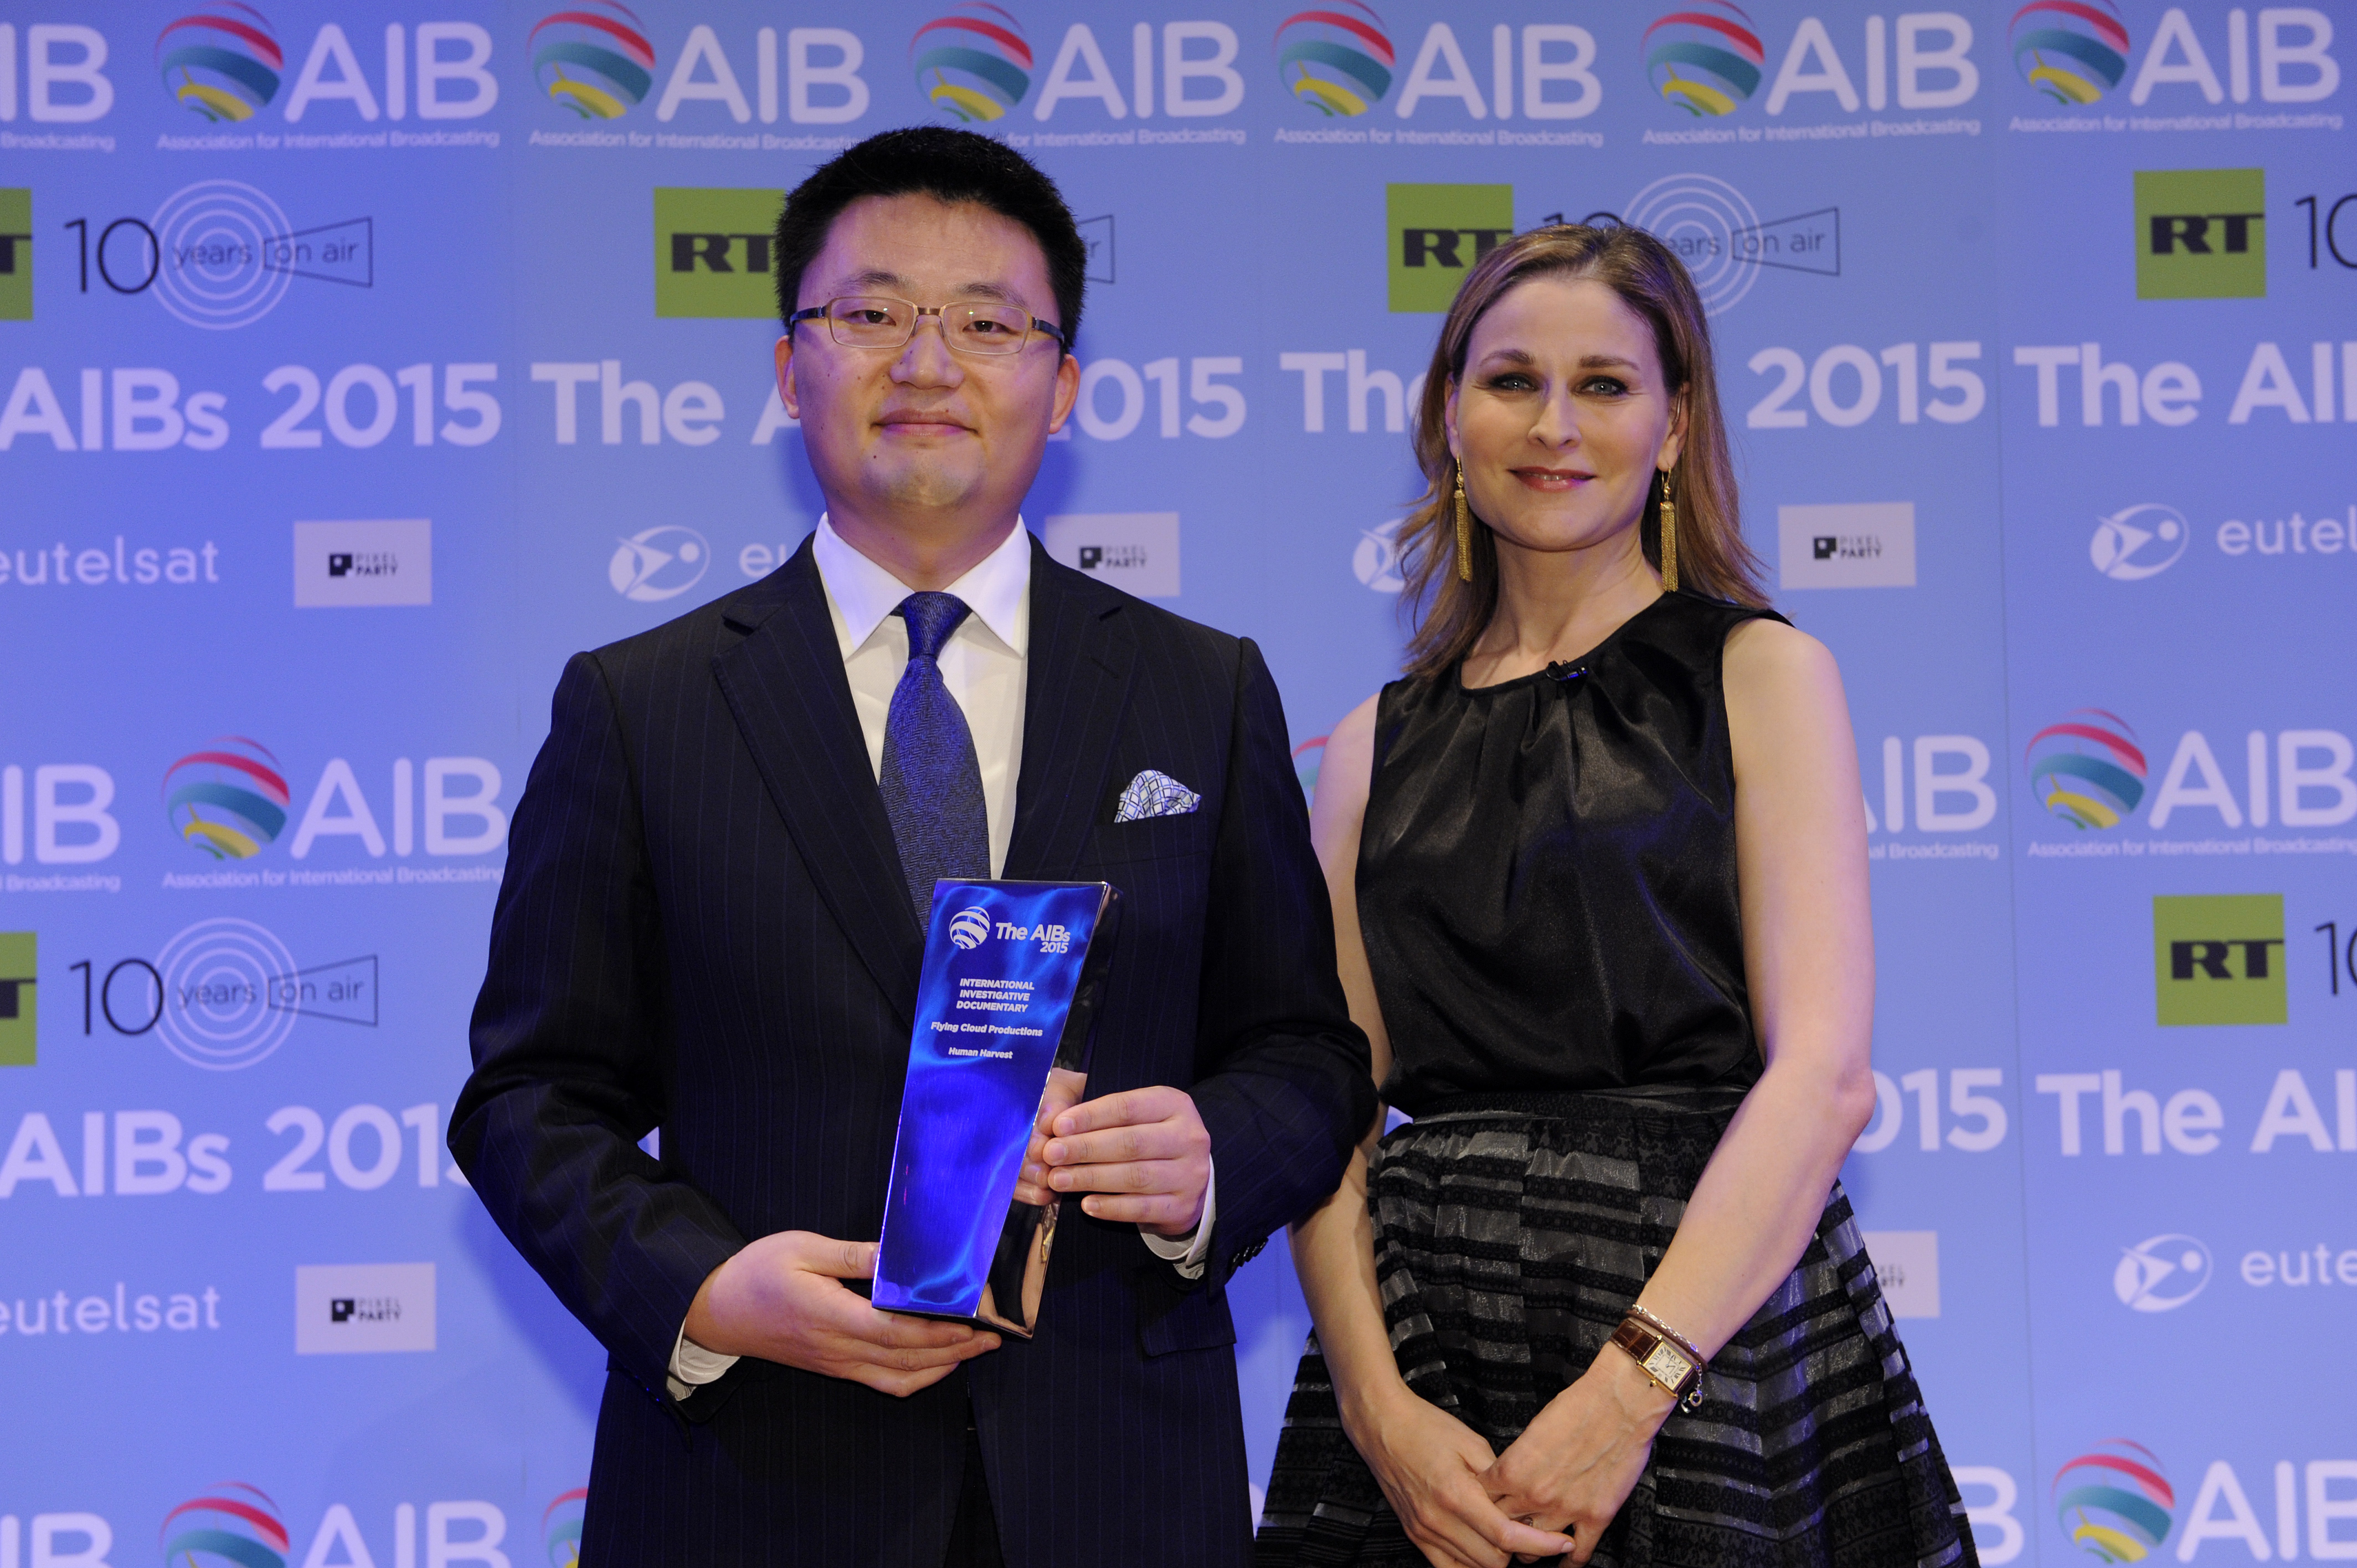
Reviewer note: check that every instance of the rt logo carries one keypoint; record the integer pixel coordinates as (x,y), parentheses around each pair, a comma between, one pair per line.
(2219,959)
(969,929)
(2138,541)
(2161,1273)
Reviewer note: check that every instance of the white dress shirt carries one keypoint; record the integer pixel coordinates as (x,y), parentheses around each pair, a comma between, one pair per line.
(983,664)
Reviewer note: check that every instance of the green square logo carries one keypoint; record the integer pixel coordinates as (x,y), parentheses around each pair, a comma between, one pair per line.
(2220,960)
(1436,233)
(712,252)
(18,1015)
(2202,234)
(16,255)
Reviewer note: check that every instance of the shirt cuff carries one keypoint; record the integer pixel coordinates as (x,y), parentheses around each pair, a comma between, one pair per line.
(692,1366)
(1186,1254)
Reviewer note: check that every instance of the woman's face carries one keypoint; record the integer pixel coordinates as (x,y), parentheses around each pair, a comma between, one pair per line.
(1561,415)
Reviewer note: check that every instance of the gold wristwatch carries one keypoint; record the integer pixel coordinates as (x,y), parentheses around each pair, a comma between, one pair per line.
(1673,1365)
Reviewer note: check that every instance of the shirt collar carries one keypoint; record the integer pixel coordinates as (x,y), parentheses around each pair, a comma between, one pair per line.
(996,588)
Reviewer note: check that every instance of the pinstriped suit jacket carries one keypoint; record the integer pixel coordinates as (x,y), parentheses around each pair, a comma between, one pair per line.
(704,927)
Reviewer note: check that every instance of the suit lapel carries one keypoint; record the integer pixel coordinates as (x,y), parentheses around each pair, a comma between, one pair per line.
(1075,689)
(785,686)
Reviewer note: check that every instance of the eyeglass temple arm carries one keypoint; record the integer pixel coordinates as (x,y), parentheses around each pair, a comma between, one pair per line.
(818,313)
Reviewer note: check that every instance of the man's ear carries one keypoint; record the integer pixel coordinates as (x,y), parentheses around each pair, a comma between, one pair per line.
(1067,393)
(786,392)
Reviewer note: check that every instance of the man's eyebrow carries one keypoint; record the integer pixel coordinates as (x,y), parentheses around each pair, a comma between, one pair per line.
(883,278)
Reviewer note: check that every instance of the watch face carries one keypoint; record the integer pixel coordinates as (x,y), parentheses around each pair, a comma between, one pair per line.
(1668,1364)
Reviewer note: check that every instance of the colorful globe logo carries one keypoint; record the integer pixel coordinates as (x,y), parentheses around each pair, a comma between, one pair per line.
(1337,60)
(2074,51)
(1705,60)
(2088,769)
(223,61)
(236,1526)
(594,59)
(973,63)
(228,799)
(1308,757)
(560,1527)
(2114,1502)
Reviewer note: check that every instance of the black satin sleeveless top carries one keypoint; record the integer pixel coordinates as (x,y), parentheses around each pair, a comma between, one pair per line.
(1546,874)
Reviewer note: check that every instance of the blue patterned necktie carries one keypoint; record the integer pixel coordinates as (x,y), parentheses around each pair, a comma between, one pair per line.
(931,783)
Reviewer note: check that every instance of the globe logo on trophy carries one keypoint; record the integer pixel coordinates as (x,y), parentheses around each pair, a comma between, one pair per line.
(969,929)
(228,799)
(222,62)
(2074,51)
(1705,59)
(2114,1502)
(975,63)
(593,58)
(2088,769)
(235,1524)
(1338,59)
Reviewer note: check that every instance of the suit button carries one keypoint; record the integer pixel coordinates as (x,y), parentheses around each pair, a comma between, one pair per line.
(1246,1255)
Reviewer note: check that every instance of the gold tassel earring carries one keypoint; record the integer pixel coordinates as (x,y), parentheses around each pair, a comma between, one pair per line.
(1669,537)
(1464,531)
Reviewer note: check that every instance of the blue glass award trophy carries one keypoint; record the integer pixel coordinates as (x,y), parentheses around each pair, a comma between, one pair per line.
(1007,1008)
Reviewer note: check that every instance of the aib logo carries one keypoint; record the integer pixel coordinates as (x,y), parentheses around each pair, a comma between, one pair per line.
(2114,1502)
(970,929)
(1705,58)
(2088,769)
(237,1523)
(595,60)
(1339,60)
(2161,1273)
(560,1527)
(657,563)
(2138,541)
(222,62)
(975,63)
(228,799)
(2074,51)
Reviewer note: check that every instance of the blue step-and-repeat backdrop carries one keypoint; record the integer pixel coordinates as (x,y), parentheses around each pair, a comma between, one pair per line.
(359,363)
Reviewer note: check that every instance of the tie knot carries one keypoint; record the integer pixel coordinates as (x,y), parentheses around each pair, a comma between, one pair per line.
(932,617)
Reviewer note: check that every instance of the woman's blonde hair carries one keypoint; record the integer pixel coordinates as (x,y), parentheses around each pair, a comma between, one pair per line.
(1449,613)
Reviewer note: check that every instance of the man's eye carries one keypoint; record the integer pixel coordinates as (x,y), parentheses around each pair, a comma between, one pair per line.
(987,328)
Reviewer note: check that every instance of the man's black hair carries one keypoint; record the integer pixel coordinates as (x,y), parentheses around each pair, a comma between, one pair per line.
(953,166)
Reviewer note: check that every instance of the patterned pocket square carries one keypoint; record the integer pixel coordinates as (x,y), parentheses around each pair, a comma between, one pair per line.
(1155,794)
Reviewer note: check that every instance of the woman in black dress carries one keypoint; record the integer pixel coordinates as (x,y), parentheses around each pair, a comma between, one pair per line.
(1598,872)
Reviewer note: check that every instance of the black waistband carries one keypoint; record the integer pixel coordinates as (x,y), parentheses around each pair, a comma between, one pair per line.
(1676,1098)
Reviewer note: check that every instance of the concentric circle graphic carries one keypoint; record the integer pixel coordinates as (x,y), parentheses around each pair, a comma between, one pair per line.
(1699,217)
(219,976)
(216,237)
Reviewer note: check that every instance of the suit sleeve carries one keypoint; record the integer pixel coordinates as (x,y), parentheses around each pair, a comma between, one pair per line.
(1286,1089)
(568,1038)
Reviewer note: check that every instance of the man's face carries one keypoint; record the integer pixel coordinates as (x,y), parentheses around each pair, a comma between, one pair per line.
(921,434)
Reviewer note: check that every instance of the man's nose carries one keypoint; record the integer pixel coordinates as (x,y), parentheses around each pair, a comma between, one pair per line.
(926,359)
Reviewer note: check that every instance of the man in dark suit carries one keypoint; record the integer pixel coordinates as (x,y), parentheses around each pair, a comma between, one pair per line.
(711,924)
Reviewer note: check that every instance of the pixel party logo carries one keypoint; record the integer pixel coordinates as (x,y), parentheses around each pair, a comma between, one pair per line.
(975,63)
(2074,51)
(1706,60)
(2113,1501)
(239,1524)
(2088,769)
(595,60)
(228,799)
(1337,61)
(223,61)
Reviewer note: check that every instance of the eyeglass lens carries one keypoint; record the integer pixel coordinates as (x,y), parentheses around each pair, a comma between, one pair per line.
(863,321)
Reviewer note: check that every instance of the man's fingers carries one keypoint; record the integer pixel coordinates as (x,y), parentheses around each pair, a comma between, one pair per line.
(840,1259)
(1155,1141)
(1131,1107)
(892,1331)
(1127,1177)
(1157,1209)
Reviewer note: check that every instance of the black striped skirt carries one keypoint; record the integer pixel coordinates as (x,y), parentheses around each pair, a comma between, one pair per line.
(1511,1232)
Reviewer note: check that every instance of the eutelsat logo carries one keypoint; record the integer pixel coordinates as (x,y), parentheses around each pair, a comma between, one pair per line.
(222,62)
(1705,57)
(2219,959)
(20,1003)
(2138,541)
(973,63)
(16,254)
(2161,1273)
(1438,232)
(712,252)
(2202,234)
(1337,58)
(2088,769)
(657,563)
(593,58)
(2074,51)
(2114,1502)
